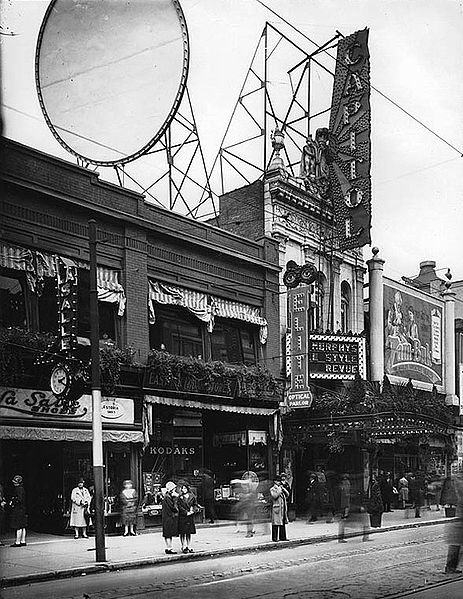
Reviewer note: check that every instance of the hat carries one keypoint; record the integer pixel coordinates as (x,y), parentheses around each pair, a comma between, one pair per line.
(17,480)
(170,486)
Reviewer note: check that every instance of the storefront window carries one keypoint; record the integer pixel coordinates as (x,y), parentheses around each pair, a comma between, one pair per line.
(233,343)
(177,332)
(12,301)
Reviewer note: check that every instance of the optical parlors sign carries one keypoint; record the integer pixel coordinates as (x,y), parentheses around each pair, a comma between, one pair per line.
(336,357)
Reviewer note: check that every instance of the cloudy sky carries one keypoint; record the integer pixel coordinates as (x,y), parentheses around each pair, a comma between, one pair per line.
(416,59)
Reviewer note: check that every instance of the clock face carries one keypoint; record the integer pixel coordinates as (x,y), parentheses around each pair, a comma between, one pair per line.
(60,379)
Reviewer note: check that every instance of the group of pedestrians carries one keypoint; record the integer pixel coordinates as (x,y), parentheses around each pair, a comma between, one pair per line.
(410,491)
(179,508)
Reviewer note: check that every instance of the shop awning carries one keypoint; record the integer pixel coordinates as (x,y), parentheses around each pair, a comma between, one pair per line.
(194,301)
(32,433)
(203,306)
(202,405)
(37,265)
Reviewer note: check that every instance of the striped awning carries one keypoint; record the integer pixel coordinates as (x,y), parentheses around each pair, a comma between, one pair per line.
(37,265)
(230,309)
(32,433)
(110,289)
(202,405)
(194,301)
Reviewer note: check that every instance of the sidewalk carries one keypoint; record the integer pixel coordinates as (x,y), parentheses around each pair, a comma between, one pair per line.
(47,556)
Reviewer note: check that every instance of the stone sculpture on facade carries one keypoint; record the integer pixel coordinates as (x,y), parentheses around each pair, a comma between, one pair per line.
(317,155)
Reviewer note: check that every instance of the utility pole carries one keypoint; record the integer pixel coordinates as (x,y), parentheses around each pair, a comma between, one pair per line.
(97,432)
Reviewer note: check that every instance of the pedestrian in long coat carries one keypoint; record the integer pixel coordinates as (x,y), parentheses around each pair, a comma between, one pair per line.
(454,530)
(170,516)
(280,496)
(129,506)
(387,491)
(80,509)
(18,512)
(375,503)
(187,508)
(313,498)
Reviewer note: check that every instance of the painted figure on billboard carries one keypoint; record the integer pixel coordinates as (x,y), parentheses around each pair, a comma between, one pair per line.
(413,335)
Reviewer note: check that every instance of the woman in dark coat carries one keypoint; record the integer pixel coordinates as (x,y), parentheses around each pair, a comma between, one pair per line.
(18,515)
(187,508)
(375,504)
(170,516)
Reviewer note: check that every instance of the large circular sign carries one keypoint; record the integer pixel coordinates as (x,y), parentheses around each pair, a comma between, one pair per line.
(110,74)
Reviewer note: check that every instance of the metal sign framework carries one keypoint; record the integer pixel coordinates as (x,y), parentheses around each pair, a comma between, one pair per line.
(261,109)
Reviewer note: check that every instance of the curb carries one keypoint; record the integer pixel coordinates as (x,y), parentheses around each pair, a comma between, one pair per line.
(113,566)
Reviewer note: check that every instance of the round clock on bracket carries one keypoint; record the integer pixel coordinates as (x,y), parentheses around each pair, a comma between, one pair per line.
(60,380)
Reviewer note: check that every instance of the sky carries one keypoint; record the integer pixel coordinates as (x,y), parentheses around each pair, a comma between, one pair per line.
(416,51)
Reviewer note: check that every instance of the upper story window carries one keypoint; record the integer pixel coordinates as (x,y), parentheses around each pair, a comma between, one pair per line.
(346,324)
(317,304)
(177,332)
(13,311)
(233,343)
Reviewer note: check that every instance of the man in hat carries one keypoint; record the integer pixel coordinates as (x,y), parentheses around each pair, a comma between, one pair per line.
(280,496)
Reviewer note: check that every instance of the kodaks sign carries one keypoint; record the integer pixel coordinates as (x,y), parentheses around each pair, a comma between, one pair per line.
(43,405)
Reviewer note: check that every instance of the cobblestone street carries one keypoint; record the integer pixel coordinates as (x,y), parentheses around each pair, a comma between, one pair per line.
(389,565)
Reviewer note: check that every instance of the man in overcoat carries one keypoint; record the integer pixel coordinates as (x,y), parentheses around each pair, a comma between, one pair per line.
(279,495)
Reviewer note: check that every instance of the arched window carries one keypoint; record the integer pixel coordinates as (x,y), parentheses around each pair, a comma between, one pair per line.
(346,324)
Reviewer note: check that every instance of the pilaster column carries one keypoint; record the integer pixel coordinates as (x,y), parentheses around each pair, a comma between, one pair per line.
(375,270)
(358,313)
(449,347)
(336,285)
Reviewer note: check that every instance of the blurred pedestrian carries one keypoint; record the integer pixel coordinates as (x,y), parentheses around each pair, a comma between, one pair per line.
(403,491)
(187,508)
(344,495)
(209,499)
(170,516)
(247,504)
(3,504)
(454,530)
(80,509)
(18,511)
(375,503)
(280,497)
(129,506)
(415,485)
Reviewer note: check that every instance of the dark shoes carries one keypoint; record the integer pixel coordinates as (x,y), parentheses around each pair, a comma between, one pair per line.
(18,545)
(170,552)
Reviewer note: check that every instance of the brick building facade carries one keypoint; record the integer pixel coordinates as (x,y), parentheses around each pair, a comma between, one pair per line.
(184,288)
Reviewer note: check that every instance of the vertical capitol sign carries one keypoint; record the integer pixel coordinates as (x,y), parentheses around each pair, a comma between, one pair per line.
(350,130)
(299,394)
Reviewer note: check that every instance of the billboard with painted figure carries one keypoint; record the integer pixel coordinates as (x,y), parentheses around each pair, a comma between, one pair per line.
(413,336)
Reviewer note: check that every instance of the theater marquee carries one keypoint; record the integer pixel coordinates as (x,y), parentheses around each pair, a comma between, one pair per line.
(336,357)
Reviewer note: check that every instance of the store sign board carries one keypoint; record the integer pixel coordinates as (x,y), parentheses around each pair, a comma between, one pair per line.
(413,336)
(336,357)
(299,394)
(236,438)
(67,275)
(43,405)
(350,148)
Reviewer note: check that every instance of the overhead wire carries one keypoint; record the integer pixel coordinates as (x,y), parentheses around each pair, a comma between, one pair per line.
(374,88)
